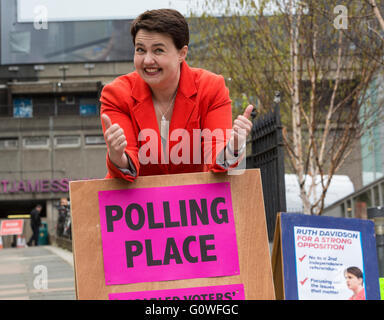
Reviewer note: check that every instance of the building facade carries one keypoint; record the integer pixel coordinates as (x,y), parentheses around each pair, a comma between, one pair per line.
(50,134)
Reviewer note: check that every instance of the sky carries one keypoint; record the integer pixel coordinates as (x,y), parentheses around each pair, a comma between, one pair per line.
(80,10)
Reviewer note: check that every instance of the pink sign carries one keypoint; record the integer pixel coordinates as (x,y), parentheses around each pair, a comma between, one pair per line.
(11,227)
(168,233)
(227,292)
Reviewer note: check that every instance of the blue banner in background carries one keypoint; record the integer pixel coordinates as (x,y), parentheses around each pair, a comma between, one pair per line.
(22,108)
(88,109)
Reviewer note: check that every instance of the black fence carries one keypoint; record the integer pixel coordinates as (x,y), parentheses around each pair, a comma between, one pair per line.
(268,155)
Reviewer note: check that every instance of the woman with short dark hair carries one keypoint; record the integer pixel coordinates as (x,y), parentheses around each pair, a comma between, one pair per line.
(166,117)
(165,21)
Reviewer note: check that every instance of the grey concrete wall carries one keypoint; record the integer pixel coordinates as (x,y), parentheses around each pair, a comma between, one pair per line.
(50,162)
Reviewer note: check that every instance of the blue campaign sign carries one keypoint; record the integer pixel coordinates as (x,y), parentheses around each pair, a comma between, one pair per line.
(326,258)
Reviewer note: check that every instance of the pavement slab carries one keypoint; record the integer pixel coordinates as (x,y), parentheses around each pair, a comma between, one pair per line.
(36,273)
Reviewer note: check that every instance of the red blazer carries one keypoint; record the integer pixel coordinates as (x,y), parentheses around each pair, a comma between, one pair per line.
(202,101)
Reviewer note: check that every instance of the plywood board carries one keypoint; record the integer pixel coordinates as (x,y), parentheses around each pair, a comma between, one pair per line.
(277,262)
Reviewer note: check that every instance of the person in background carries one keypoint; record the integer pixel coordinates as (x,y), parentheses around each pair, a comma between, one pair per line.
(63,210)
(35,225)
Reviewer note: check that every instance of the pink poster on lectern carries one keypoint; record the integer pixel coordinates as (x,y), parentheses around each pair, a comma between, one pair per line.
(168,233)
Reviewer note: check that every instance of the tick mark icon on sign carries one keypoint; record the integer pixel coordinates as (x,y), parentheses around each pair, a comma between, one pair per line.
(302,282)
(302,258)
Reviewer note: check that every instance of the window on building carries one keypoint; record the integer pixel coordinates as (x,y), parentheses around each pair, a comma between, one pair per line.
(67,105)
(372,141)
(371,149)
(70,100)
(382,194)
(349,209)
(67,141)
(376,195)
(9,143)
(361,203)
(36,142)
(43,105)
(342,210)
(94,140)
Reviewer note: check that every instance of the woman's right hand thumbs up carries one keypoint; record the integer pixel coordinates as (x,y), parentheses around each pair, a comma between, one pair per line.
(116,142)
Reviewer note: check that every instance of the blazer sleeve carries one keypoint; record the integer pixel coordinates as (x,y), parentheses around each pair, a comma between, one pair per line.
(114,103)
(218,116)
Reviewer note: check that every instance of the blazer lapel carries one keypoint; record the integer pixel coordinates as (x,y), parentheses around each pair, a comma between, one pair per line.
(144,113)
(184,102)
(143,109)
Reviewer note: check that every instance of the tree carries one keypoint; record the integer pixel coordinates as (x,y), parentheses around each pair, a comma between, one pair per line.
(323,70)
(377,14)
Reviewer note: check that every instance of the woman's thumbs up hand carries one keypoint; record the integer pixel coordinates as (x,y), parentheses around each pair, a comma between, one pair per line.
(242,126)
(116,142)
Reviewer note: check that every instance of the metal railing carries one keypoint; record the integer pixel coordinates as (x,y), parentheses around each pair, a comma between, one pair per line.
(268,155)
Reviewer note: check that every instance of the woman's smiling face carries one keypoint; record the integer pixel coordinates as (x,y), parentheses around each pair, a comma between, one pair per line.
(157,60)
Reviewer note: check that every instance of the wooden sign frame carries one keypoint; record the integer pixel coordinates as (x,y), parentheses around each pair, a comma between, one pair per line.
(250,223)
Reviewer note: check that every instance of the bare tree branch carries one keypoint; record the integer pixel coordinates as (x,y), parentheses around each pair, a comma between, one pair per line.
(325,76)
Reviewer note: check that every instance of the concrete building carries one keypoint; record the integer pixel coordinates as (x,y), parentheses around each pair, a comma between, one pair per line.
(50,134)
(52,69)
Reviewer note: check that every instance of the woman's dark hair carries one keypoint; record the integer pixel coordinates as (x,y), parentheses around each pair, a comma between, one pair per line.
(355,271)
(168,21)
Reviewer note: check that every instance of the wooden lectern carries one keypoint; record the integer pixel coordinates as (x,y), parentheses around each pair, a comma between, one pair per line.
(249,219)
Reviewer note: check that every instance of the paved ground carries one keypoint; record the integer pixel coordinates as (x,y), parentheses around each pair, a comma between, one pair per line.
(36,273)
